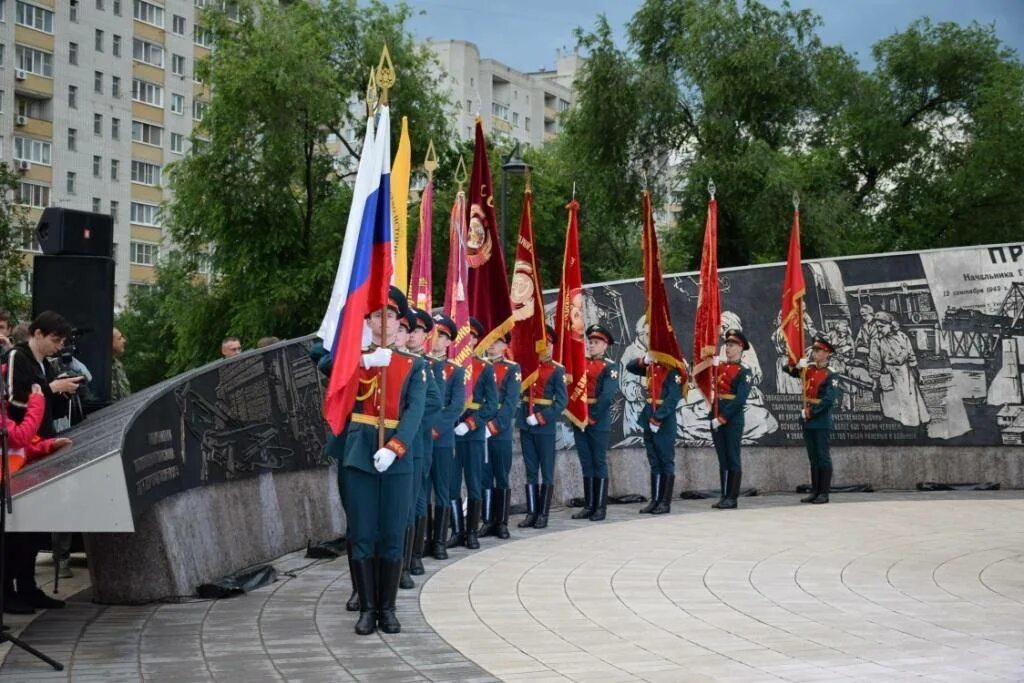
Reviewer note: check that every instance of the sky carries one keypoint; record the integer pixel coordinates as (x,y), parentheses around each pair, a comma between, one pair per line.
(526,33)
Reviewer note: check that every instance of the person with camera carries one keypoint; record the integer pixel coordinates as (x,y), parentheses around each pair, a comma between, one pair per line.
(27,366)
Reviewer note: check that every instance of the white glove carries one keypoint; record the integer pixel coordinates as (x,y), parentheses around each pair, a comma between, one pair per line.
(487,433)
(532,420)
(461,429)
(801,364)
(648,358)
(715,424)
(383,458)
(715,360)
(654,427)
(378,358)
(583,428)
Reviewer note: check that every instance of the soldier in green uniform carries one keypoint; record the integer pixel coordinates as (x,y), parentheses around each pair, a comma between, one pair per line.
(495,472)
(378,478)
(658,420)
(820,391)
(119,385)
(592,440)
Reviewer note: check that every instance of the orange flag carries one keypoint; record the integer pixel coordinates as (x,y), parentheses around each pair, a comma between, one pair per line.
(709,304)
(570,350)
(792,316)
(529,336)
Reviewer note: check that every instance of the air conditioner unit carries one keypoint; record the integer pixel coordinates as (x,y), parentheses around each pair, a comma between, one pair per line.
(20,120)
(23,165)
(20,74)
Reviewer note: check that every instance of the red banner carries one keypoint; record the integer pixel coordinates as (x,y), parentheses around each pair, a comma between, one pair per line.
(570,324)
(662,344)
(456,302)
(792,317)
(489,300)
(709,305)
(529,336)
(421,282)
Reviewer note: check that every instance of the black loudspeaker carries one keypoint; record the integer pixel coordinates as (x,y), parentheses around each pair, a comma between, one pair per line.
(81,288)
(67,231)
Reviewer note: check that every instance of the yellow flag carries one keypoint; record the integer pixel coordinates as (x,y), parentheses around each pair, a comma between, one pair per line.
(400,171)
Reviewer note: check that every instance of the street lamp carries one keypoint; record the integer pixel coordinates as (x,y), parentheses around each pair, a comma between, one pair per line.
(511,163)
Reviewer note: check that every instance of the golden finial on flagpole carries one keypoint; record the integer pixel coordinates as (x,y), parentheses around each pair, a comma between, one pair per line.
(796,200)
(430,162)
(528,177)
(460,173)
(385,75)
(371,94)
(711,188)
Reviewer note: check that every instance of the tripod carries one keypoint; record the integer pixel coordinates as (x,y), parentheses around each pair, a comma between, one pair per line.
(7,507)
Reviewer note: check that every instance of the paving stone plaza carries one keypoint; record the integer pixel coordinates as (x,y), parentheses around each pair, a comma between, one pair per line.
(893,586)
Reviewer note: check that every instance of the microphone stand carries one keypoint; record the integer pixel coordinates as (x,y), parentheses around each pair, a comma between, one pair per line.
(6,508)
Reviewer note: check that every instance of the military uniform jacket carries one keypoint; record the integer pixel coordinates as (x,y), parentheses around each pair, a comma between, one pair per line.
(602,386)
(546,398)
(509,379)
(452,380)
(402,409)
(732,387)
(484,402)
(664,389)
(120,387)
(432,406)
(821,389)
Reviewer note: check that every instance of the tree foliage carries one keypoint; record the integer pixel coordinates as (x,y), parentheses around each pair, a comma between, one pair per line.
(13,223)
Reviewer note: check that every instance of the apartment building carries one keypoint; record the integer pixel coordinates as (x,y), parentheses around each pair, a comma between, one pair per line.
(97,97)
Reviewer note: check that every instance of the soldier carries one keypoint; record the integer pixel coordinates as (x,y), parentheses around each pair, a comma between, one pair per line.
(452,380)
(119,385)
(658,421)
(592,440)
(420,326)
(495,472)
(543,403)
(377,480)
(821,389)
(732,386)
(470,435)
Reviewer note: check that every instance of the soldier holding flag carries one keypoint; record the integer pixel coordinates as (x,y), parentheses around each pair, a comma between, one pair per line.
(592,439)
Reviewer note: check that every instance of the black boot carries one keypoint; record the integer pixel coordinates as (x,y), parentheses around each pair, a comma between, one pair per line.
(505,496)
(544,506)
(458,525)
(723,478)
(600,500)
(352,605)
(531,507)
(437,544)
(405,582)
(365,579)
(489,520)
(824,486)
(815,483)
(655,494)
(472,524)
(588,499)
(733,492)
(416,568)
(668,486)
(387,578)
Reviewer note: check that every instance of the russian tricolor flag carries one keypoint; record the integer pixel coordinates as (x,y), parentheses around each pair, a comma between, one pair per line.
(364,271)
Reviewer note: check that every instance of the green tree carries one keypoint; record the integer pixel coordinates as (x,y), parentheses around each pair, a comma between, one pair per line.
(13,223)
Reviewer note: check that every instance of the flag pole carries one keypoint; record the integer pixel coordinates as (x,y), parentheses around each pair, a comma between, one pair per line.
(800,313)
(714,369)
(385,79)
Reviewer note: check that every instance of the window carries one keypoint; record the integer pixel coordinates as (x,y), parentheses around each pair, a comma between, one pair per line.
(71,182)
(33,61)
(115,86)
(99,40)
(199,109)
(115,128)
(34,17)
(177,142)
(97,125)
(148,93)
(177,103)
(97,166)
(115,45)
(500,111)
(117,8)
(148,133)
(115,165)
(73,97)
(29,149)
(562,104)
(73,13)
(526,123)
(72,139)
(99,5)
(29,242)
(33,109)
(151,14)
(144,253)
(178,65)
(145,214)
(97,81)
(96,207)
(73,53)
(178,25)
(515,119)
(33,194)
(202,36)
(148,53)
(113,210)
(145,173)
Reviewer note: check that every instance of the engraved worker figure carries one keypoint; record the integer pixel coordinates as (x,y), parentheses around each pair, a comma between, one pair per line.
(892,364)
(632,387)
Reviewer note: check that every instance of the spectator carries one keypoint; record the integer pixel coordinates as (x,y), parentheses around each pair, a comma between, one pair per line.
(5,332)
(230,347)
(264,342)
(119,385)
(20,333)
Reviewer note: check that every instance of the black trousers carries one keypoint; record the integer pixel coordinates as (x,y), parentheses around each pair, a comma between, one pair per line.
(20,560)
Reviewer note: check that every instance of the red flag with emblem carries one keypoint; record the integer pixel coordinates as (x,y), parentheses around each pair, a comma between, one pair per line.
(570,350)
(709,305)
(662,344)
(421,282)
(529,336)
(456,301)
(488,282)
(792,316)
